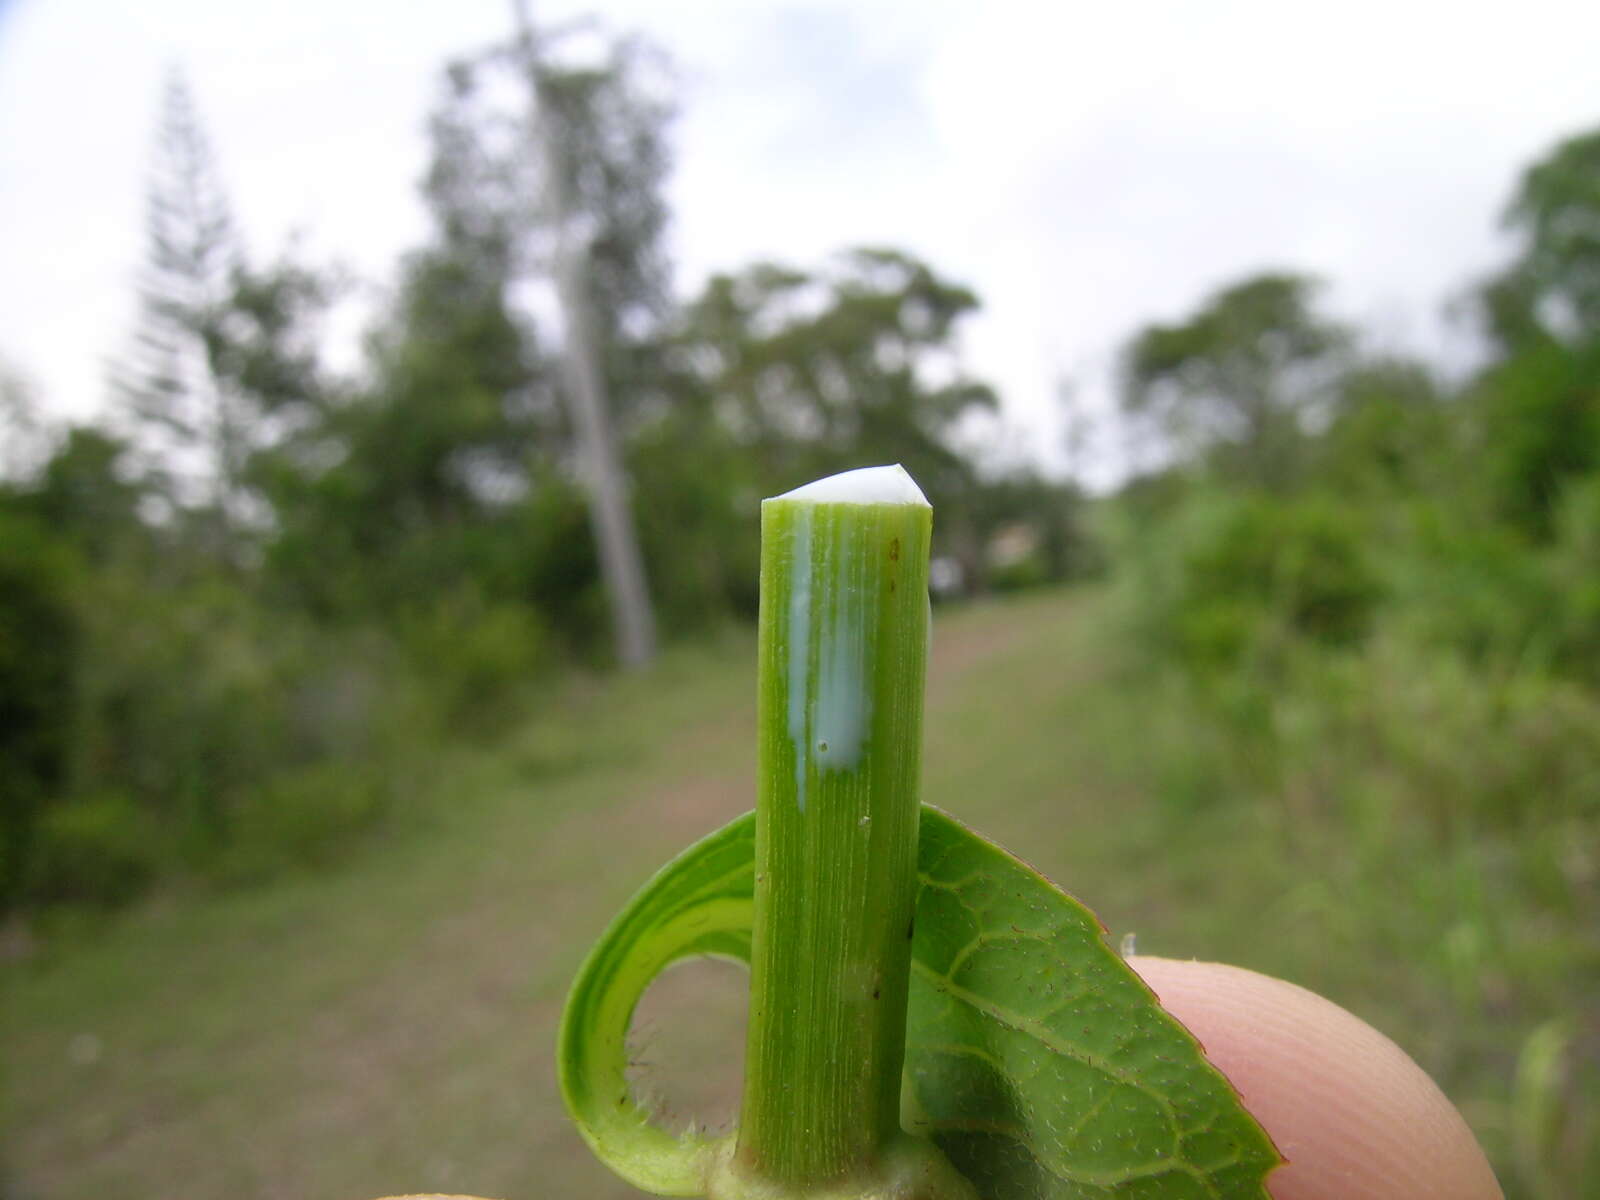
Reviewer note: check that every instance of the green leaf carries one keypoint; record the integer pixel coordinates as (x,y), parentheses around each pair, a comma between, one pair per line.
(1039,1061)
(1036,1058)
(699,904)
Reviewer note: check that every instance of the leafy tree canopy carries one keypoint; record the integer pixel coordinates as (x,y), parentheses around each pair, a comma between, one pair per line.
(857,362)
(1243,372)
(1553,288)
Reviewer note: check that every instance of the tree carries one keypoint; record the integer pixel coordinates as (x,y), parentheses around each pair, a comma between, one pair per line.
(463,438)
(545,179)
(1394,431)
(380,500)
(1238,377)
(1541,402)
(23,436)
(88,498)
(1541,415)
(1552,288)
(605,164)
(190,422)
(383,497)
(855,363)
(574,130)
(225,359)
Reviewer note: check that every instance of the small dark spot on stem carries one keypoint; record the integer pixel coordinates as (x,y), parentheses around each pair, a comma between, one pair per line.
(894,549)
(911,927)
(874,993)
(891,587)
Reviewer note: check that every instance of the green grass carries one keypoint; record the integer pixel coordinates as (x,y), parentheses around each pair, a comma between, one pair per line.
(388,1026)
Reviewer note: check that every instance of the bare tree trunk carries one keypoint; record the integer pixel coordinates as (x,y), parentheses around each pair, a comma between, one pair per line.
(604,481)
(621,565)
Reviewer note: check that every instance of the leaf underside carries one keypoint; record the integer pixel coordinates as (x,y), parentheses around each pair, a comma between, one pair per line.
(1036,1059)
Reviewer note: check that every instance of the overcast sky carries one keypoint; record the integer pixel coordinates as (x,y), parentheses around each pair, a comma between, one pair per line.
(1086,167)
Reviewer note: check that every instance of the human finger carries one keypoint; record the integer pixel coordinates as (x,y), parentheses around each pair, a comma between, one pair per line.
(1353,1115)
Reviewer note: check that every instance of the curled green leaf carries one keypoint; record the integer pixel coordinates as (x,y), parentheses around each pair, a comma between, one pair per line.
(699,904)
(1036,1059)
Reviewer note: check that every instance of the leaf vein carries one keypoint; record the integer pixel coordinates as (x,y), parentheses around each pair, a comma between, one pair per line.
(1047,1038)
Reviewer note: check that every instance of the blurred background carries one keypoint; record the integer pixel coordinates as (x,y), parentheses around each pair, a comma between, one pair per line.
(386,399)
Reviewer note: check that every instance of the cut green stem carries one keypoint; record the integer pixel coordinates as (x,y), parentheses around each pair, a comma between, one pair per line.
(843,653)
(1037,1060)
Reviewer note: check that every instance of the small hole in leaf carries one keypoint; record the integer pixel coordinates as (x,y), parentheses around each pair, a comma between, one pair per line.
(686,1045)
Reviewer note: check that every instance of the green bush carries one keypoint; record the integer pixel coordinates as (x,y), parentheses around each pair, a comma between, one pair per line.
(1473,746)
(1460,746)
(250,737)
(698,531)
(40,649)
(177,700)
(1017,575)
(100,850)
(1444,665)
(1541,411)
(301,818)
(1232,573)
(474,656)
(1301,561)
(185,705)
(1466,586)
(1576,569)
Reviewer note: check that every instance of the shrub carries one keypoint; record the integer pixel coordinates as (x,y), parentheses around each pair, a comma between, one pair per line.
(39,654)
(100,850)
(1576,566)
(1463,746)
(248,736)
(1542,416)
(300,818)
(474,655)
(1231,573)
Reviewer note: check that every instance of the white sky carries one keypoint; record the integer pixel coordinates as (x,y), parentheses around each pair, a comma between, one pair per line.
(1087,168)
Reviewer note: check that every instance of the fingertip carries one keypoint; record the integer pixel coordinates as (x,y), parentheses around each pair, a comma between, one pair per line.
(1353,1115)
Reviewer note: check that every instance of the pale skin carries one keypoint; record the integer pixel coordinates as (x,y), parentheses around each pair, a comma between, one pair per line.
(1354,1116)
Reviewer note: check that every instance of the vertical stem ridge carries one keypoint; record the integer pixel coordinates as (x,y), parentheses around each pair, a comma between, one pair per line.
(843,653)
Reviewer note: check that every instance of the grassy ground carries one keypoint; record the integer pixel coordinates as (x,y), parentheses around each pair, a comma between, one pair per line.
(388,1027)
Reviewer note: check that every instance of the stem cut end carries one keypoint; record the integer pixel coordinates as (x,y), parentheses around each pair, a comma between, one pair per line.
(864,485)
